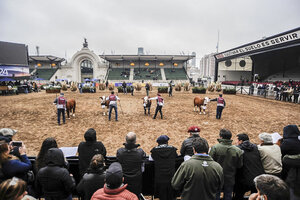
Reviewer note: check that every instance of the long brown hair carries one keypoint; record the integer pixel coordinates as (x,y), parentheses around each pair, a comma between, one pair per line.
(4,156)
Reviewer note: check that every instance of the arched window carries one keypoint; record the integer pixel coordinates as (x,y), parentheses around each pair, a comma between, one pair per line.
(86,67)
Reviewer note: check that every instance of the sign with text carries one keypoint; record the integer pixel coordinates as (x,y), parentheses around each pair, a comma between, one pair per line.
(261,45)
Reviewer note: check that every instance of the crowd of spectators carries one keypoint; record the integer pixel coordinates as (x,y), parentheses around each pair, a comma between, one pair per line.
(270,170)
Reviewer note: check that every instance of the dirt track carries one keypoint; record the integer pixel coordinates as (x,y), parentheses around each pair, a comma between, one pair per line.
(34,117)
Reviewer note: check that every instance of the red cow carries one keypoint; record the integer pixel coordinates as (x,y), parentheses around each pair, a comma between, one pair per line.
(71,105)
(201,104)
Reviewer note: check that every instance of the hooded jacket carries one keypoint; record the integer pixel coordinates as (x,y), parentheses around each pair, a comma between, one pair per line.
(291,143)
(229,157)
(291,172)
(91,182)
(252,165)
(164,157)
(86,151)
(199,178)
(132,158)
(54,181)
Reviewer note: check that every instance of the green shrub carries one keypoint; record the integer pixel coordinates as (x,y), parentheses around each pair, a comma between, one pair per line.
(229,91)
(162,89)
(199,90)
(120,89)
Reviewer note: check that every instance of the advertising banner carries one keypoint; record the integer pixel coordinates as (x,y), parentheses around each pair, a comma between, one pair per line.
(274,41)
(120,84)
(14,71)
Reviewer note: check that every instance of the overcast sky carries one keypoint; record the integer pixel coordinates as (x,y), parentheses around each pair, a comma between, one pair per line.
(160,26)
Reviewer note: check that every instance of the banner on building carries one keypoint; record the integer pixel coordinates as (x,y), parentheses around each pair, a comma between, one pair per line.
(267,43)
(14,71)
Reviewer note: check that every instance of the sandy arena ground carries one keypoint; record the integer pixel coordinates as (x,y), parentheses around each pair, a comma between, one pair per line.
(34,116)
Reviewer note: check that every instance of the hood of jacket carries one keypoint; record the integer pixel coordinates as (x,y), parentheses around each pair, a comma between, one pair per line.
(247,146)
(55,157)
(291,131)
(225,141)
(130,146)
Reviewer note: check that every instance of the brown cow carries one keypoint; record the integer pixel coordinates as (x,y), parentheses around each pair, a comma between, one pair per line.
(105,103)
(71,105)
(201,104)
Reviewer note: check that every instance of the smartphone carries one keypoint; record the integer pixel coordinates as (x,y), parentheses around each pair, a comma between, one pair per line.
(17,143)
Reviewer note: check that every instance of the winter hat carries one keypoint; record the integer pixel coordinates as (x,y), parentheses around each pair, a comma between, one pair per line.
(163,139)
(114,175)
(266,137)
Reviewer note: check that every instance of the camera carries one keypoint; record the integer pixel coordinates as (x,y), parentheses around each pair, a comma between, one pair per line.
(17,143)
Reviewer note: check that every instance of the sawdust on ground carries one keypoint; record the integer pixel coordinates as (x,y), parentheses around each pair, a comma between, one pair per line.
(34,116)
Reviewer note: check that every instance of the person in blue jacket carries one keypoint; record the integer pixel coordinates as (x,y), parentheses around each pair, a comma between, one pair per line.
(12,166)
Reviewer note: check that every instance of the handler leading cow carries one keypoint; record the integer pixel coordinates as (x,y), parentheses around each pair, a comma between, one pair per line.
(60,103)
(220,105)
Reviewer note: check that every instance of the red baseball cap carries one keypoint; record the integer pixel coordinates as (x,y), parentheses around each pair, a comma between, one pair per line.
(194,129)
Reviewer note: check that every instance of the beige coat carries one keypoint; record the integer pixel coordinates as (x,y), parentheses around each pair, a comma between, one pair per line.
(271,158)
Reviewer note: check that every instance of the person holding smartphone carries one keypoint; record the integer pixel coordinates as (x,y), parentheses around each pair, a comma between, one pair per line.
(11,165)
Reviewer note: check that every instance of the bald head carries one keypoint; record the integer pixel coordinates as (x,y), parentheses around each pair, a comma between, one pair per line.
(131,137)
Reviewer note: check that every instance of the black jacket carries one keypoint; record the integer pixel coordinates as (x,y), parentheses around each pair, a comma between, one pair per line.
(86,151)
(164,157)
(90,183)
(131,158)
(186,147)
(291,172)
(252,165)
(291,143)
(54,181)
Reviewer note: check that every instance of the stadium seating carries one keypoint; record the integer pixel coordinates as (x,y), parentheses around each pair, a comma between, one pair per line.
(118,74)
(175,74)
(147,74)
(45,73)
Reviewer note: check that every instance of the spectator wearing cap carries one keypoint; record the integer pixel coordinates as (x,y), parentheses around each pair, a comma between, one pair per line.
(186,149)
(270,155)
(89,148)
(270,187)
(160,104)
(61,103)
(252,167)
(230,158)
(114,189)
(164,157)
(199,177)
(6,134)
(132,160)
(291,159)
